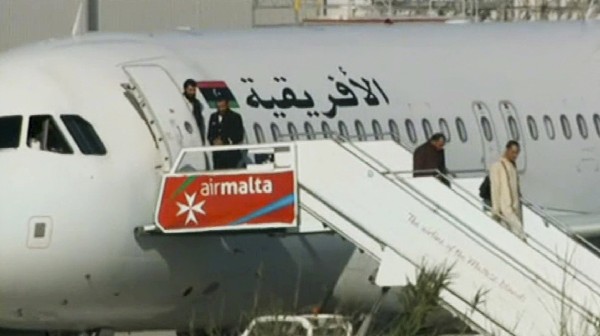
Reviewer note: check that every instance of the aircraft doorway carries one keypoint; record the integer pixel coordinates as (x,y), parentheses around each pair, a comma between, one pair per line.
(512,130)
(487,131)
(164,109)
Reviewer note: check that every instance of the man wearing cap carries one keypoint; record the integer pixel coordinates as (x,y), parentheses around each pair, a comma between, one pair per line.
(225,127)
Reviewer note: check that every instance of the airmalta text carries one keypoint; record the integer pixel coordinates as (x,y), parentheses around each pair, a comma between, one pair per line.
(253,185)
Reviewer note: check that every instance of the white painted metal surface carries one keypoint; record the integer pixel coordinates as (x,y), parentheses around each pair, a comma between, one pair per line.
(165,107)
(96,202)
(547,239)
(523,289)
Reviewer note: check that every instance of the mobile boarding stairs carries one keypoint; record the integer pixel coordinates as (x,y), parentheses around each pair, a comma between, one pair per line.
(365,192)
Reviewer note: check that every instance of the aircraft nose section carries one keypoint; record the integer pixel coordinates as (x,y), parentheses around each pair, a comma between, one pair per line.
(28,199)
(30,270)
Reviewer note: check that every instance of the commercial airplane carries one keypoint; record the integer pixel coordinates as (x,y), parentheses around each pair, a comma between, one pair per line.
(82,160)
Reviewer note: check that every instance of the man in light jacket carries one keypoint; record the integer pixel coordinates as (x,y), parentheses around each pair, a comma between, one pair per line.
(506,194)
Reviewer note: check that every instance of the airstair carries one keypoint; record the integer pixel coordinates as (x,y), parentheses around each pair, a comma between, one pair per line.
(546,285)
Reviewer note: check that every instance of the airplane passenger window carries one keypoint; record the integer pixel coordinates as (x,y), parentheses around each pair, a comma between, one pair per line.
(427,128)
(462,130)
(597,123)
(85,136)
(293,131)
(410,129)
(445,129)
(582,125)
(395,131)
(549,127)
(533,130)
(486,126)
(258,132)
(326,129)
(514,129)
(377,130)
(10,131)
(360,130)
(566,126)
(43,134)
(343,130)
(310,131)
(275,132)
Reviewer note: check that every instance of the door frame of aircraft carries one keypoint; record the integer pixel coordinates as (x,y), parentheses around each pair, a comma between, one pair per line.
(489,141)
(165,109)
(508,112)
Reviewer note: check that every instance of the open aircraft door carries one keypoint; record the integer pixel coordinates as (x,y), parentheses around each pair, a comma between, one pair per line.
(165,111)
(488,134)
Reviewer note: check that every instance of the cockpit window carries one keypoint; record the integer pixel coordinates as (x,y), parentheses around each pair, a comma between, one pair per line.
(85,136)
(44,134)
(10,131)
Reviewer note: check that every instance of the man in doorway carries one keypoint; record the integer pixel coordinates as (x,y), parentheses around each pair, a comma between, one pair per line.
(225,128)
(429,159)
(189,92)
(506,194)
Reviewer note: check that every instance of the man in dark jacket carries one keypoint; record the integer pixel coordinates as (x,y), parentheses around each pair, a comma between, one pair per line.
(225,127)
(429,159)
(189,91)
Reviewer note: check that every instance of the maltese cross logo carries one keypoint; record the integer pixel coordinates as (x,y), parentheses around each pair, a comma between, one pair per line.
(191,208)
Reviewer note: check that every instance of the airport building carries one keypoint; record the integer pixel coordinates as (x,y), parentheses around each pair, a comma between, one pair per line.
(25,21)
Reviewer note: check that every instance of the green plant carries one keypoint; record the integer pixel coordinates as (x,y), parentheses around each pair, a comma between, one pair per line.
(419,300)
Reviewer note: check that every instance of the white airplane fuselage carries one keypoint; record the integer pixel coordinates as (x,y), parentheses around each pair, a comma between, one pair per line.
(94,271)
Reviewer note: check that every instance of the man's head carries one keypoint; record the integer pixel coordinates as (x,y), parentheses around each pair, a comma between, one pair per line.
(189,88)
(512,151)
(222,105)
(438,140)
